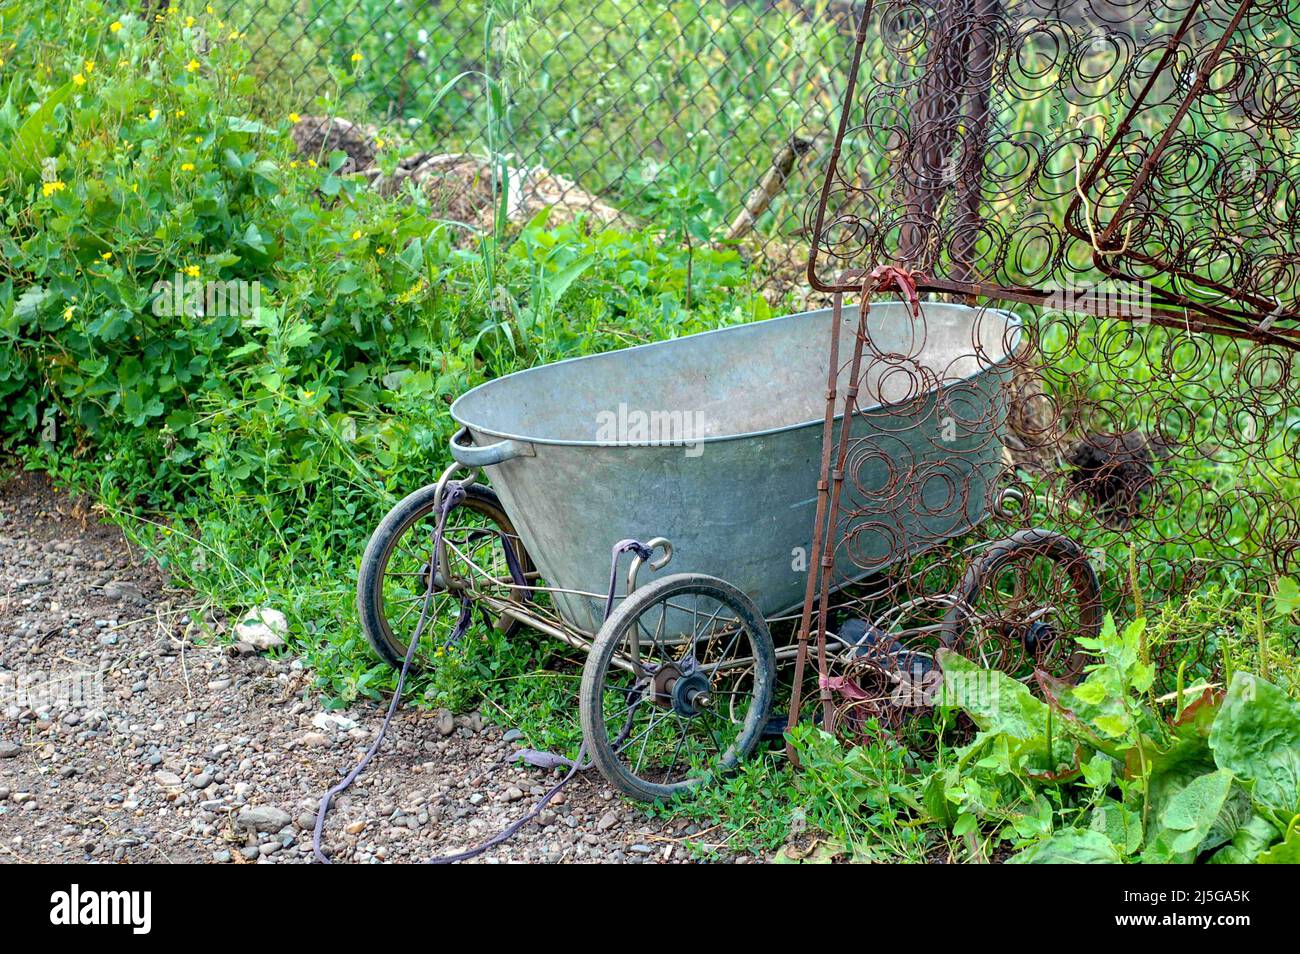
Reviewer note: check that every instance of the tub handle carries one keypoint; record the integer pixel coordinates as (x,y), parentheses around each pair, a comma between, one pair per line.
(488,454)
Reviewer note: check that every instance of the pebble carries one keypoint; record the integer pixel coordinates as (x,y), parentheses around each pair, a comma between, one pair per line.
(262,628)
(123,591)
(262,818)
(9,750)
(333,722)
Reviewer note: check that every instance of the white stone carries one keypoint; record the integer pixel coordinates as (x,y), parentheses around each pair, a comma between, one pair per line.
(333,722)
(263,628)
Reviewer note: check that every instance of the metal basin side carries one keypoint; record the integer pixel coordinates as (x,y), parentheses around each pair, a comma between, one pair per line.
(740,505)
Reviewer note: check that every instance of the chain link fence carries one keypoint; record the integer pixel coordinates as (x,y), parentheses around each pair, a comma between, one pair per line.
(661,109)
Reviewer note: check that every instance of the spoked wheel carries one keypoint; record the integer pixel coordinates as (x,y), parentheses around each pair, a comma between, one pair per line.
(398,560)
(677,686)
(1024,604)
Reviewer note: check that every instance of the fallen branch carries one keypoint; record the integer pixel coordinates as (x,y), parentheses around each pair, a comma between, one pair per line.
(771,185)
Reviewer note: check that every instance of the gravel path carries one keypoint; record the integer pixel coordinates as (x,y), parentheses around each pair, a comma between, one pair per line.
(123,740)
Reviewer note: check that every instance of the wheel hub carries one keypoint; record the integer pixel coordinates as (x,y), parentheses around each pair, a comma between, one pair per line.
(692,695)
(683,689)
(439,584)
(1038,636)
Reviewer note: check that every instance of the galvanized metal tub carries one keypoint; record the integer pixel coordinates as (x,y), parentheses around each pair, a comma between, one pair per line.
(714,441)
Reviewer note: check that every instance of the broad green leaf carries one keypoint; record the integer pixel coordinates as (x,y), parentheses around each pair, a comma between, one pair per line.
(1169,772)
(1120,824)
(997,703)
(1098,770)
(1191,813)
(245,125)
(934,795)
(1286,595)
(1236,814)
(29,303)
(1257,737)
(1072,846)
(34,140)
(1283,853)
(1248,842)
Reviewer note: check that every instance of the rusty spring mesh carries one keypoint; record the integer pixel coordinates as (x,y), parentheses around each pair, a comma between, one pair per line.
(1094,408)
(608,95)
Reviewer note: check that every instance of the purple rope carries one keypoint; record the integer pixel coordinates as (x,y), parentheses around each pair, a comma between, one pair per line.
(453,494)
(623,546)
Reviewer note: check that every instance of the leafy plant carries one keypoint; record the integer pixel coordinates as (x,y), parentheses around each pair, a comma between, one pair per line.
(1217,780)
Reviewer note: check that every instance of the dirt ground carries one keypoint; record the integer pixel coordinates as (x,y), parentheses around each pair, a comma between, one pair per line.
(123,738)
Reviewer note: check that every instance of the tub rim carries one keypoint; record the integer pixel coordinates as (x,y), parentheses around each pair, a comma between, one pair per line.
(1014,324)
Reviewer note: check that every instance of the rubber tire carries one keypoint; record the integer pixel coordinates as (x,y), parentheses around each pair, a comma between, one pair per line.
(396,522)
(1054,546)
(606,642)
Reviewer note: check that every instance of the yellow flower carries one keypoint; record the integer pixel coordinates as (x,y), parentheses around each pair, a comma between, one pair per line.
(190,21)
(198,139)
(312,163)
(192,271)
(180,112)
(90,66)
(67,312)
(191,66)
(208,8)
(293,163)
(411,293)
(106,255)
(153,114)
(49,188)
(187,167)
(379,144)
(357,57)
(79,80)
(356,235)
(115,26)
(381,250)
(295,118)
